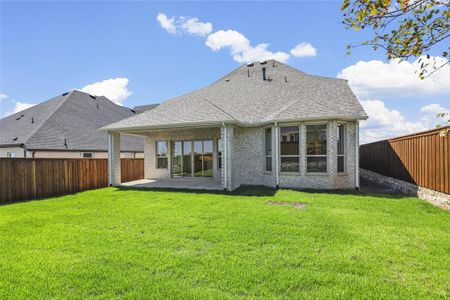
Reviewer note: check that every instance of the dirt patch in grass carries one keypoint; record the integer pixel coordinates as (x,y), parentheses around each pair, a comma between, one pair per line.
(298,205)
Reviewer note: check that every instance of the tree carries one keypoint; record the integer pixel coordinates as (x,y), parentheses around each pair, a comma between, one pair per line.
(403,28)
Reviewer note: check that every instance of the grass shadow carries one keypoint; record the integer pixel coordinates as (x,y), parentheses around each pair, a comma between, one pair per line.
(248,190)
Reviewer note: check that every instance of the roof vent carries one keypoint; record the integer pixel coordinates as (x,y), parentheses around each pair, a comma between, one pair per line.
(133,111)
(285,78)
(248,73)
(93,97)
(65,143)
(64,93)
(98,106)
(20,117)
(273,64)
(264,74)
(32,120)
(250,65)
(263,62)
(227,80)
(14,138)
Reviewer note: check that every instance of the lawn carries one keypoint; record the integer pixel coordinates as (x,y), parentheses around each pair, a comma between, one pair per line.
(124,243)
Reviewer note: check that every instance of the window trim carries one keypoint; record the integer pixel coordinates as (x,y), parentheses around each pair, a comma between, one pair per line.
(345,149)
(264,150)
(157,157)
(315,155)
(299,150)
(219,154)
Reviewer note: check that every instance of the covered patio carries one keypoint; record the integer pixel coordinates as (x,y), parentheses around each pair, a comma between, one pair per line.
(176,183)
(179,158)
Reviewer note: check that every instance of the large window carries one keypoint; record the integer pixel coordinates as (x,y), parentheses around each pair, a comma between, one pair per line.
(316,148)
(268,149)
(341,148)
(289,144)
(161,154)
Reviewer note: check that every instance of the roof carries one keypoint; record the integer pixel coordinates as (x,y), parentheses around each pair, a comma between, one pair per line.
(67,122)
(142,108)
(244,98)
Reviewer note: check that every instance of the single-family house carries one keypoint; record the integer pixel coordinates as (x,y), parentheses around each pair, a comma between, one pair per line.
(66,126)
(265,123)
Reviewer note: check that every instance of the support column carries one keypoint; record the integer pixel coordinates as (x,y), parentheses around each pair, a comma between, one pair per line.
(357,155)
(114,175)
(223,136)
(227,132)
(277,154)
(332,149)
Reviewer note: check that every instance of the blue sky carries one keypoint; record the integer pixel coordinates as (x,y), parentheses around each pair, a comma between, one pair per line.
(48,48)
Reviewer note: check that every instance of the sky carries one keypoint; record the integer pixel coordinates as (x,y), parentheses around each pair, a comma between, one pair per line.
(137,53)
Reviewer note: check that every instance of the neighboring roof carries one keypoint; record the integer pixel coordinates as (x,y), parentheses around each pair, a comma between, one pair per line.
(142,108)
(67,122)
(243,97)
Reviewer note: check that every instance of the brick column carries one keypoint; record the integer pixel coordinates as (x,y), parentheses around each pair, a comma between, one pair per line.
(114,174)
(332,148)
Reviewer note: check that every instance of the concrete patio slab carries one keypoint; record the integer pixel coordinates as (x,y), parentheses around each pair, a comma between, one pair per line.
(176,183)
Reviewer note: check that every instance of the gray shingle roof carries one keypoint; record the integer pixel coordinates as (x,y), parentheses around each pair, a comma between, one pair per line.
(244,97)
(73,118)
(142,108)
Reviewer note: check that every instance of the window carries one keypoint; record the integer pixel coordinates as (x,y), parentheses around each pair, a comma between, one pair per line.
(219,153)
(161,155)
(268,149)
(87,155)
(316,148)
(290,154)
(341,148)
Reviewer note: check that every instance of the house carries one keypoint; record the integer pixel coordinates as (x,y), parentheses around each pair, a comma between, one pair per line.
(66,126)
(264,123)
(142,108)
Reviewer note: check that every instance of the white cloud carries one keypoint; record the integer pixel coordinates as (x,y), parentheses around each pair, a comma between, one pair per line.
(114,89)
(303,50)
(166,23)
(182,24)
(385,123)
(238,44)
(19,106)
(240,47)
(194,26)
(375,78)
(429,114)
(3,97)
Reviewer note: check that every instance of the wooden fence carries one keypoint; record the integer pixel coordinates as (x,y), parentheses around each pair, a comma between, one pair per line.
(33,178)
(422,158)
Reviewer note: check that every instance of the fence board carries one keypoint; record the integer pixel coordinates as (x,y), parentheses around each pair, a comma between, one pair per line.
(33,178)
(422,158)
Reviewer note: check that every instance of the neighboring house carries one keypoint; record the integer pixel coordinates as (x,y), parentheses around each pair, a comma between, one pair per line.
(66,126)
(264,123)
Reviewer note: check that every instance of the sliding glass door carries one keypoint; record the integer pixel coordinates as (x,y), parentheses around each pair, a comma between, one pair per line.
(192,158)
(176,159)
(187,159)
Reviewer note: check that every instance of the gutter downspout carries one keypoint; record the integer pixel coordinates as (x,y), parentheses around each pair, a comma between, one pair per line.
(357,156)
(24,150)
(225,158)
(277,154)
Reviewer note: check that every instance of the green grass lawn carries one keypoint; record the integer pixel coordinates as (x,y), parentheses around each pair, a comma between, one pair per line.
(124,243)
